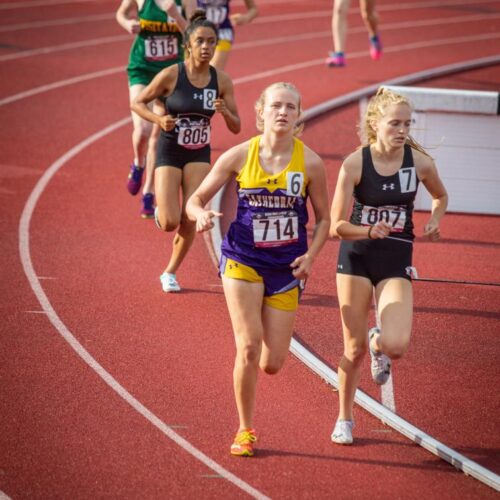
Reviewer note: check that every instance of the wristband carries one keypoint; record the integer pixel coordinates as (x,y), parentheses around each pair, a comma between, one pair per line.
(370,232)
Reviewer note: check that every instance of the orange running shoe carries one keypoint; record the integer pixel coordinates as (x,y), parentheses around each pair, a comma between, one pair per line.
(243,443)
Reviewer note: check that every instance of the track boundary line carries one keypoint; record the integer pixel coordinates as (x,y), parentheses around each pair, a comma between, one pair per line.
(384,7)
(461,462)
(25,256)
(280,18)
(92,42)
(256,76)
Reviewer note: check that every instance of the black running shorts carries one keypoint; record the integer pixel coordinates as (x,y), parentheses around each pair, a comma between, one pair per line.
(376,260)
(169,153)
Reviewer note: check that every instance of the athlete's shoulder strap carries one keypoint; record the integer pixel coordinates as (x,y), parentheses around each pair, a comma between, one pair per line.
(408,157)
(252,157)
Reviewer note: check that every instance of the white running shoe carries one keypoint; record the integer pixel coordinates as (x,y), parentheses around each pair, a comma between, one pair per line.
(381,364)
(342,433)
(169,283)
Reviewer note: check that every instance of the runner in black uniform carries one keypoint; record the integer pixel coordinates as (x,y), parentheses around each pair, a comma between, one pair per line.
(193,91)
(382,198)
(193,107)
(376,247)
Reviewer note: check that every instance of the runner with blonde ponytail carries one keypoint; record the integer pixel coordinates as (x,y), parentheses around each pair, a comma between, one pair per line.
(377,243)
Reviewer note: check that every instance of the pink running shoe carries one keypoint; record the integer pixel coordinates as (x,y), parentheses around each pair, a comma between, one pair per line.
(335,60)
(375,48)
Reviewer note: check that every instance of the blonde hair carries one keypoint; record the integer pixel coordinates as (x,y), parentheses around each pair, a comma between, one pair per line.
(259,105)
(376,108)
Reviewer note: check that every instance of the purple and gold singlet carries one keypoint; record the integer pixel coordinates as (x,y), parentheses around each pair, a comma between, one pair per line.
(270,226)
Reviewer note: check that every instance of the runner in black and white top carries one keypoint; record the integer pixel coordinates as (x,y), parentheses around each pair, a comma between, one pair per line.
(193,91)
(192,107)
(377,243)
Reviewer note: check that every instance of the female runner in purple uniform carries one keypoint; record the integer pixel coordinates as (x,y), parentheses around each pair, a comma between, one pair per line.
(265,253)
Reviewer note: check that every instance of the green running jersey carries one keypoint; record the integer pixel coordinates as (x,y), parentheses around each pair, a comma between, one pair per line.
(159,43)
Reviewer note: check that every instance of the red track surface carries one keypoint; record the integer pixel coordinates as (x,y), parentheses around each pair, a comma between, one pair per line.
(66,433)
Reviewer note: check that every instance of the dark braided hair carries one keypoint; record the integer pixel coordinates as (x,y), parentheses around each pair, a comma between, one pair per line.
(198,20)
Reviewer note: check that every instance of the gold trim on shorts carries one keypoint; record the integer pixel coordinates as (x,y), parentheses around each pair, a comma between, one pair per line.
(223,45)
(285,301)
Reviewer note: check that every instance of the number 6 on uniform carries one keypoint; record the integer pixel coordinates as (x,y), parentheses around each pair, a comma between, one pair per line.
(294,183)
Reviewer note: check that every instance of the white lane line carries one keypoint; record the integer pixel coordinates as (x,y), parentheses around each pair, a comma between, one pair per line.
(40,3)
(25,254)
(257,43)
(261,19)
(255,76)
(66,46)
(61,83)
(58,22)
(399,48)
(393,7)
(361,29)
(456,459)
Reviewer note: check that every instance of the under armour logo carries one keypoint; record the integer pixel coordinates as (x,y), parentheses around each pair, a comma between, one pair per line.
(198,96)
(390,186)
(275,181)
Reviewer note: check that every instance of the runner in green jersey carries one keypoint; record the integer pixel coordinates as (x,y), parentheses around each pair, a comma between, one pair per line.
(158,26)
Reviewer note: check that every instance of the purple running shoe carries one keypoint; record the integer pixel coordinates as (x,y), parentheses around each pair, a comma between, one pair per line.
(134,179)
(148,206)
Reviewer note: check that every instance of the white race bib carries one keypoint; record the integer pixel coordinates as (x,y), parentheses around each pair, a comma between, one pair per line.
(294,183)
(216,14)
(272,229)
(194,136)
(408,179)
(394,215)
(225,34)
(161,48)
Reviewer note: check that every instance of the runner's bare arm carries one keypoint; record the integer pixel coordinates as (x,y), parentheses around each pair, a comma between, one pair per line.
(170,7)
(161,85)
(227,165)
(226,104)
(247,17)
(428,175)
(126,16)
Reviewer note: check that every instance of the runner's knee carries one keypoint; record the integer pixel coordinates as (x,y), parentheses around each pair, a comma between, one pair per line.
(168,223)
(249,354)
(395,350)
(143,129)
(355,350)
(272,366)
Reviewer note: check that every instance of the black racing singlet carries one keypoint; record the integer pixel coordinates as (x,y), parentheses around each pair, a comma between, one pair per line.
(389,198)
(193,107)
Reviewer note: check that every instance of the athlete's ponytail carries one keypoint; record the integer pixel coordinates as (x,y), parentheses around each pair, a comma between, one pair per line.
(198,19)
